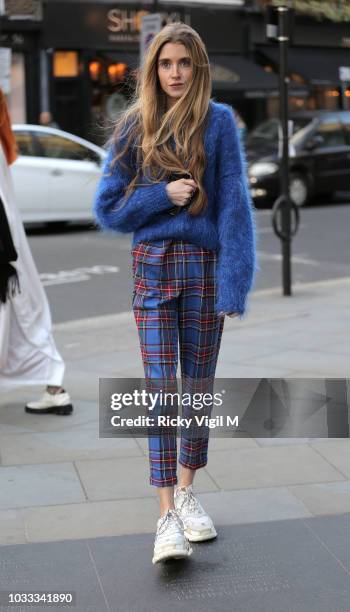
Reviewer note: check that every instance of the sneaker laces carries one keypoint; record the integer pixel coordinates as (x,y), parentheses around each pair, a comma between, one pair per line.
(170,516)
(189,501)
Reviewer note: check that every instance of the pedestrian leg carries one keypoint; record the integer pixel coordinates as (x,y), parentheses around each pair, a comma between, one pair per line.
(156,315)
(200,332)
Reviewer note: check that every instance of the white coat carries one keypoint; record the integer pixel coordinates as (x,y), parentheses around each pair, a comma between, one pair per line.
(28,354)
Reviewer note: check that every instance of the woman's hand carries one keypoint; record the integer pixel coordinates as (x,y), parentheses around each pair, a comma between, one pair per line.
(229,314)
(181,191)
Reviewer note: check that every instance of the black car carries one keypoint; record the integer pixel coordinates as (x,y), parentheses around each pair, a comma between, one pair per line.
(319,156)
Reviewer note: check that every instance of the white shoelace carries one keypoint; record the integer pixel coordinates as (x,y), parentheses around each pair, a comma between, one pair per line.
(189,501)
(171,515)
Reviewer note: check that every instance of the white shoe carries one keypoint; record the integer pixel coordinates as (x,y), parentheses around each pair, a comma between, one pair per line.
(198,524)
(56,403)
(170,541)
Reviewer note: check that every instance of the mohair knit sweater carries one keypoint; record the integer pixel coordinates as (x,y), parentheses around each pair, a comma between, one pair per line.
(227,224)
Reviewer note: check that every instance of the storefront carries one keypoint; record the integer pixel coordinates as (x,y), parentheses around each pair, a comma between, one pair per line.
(317,52)
(80,58)
(93,58)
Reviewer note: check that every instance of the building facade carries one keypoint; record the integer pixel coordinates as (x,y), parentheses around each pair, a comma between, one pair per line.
(80,59)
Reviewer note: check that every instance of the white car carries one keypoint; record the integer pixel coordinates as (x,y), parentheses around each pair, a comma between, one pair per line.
(55,175)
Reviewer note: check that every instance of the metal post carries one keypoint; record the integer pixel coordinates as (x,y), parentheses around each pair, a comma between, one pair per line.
(283,40)
(44,82)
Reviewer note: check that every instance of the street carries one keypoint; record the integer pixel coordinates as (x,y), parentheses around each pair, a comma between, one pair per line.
(87,273)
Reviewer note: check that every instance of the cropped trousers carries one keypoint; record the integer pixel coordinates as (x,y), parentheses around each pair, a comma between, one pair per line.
(174,308)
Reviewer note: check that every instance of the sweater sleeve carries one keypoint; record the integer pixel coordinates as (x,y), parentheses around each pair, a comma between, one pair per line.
(236,264)
(115,212)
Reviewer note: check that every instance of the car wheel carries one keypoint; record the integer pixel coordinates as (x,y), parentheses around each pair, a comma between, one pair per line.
(299,189)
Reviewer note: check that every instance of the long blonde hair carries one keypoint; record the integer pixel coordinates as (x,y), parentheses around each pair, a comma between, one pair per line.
(149,127)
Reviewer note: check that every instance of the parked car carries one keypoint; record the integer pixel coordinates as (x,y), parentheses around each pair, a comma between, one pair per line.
(319,157)
(55,175)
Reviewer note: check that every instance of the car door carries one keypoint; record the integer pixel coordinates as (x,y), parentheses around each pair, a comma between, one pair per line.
(330,156)
(30,177)
(74,172)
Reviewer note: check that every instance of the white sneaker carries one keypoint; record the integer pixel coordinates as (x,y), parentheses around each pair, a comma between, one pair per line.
(170,541)
(197,523)
(57,403)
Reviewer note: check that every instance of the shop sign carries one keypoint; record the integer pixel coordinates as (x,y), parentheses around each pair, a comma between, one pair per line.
(125,25)
(151,25)
(96,25)
(23,9)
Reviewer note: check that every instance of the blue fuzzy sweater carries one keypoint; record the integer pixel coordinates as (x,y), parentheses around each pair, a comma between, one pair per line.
(226,225)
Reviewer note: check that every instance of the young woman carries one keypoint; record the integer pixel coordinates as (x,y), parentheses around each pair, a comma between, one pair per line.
(175,176)
(28,354)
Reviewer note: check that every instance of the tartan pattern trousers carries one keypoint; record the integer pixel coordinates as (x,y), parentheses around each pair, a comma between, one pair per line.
(174,308)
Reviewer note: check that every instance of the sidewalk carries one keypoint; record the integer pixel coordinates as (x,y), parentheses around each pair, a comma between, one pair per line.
(59,481)
(77,512)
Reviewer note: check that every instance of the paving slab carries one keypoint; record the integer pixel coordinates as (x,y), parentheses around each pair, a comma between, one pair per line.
(90,520)
(75,444)
(238,370)
(324,498)
(281,441)
(328,365)
(39,485)
(60,567)
(12,527)
(253,505)
(124,478)
(245,350)
(108,364)
(14,420)
(337,453)
(270,466)
(215,444)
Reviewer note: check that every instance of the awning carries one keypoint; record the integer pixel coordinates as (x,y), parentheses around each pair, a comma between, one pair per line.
(230,73)
(317,66)
(237,73)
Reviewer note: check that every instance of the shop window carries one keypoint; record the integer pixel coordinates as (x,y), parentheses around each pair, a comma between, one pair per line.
(95,70)
(65,64)
(117,72)
(327,98)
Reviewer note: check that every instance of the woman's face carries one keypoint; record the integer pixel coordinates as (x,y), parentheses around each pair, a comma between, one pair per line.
(174,71)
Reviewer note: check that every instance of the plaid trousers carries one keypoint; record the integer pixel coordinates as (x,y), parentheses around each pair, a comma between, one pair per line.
(174,305)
